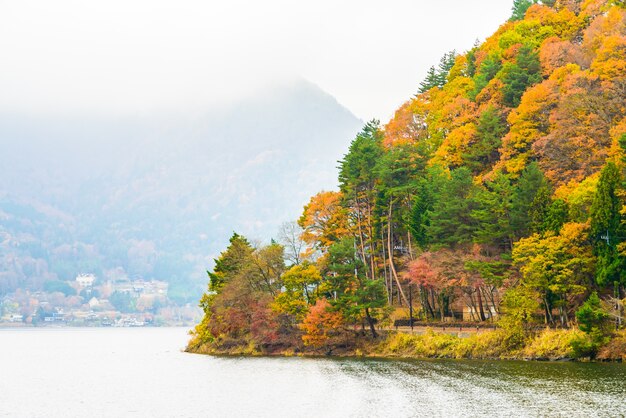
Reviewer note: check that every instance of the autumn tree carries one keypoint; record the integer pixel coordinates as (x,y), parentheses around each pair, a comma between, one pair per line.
(323,221)
(322,326)
(300,290)
(559,267)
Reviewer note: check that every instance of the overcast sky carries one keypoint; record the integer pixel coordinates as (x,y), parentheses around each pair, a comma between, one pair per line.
(119,56)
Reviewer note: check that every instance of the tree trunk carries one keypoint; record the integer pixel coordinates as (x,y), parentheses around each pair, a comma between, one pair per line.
(371,236)
(359,226)
(370,321)
(481,310)
(390,254)
(548,309)
(385,272)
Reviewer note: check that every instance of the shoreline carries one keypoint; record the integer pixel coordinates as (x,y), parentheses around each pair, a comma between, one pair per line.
(546,346)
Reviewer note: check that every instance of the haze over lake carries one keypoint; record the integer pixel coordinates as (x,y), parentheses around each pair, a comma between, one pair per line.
(66,373)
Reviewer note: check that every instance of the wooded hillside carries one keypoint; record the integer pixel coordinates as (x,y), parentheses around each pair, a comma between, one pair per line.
(497,191)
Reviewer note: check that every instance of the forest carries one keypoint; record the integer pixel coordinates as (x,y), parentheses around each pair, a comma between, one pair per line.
(495,195)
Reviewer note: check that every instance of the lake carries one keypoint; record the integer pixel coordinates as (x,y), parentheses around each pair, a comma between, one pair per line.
(117,372)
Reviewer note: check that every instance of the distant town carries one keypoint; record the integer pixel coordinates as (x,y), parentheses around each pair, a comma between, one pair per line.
(87,301)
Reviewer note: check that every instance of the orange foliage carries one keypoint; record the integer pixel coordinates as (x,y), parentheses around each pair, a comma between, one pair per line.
(450,153)
(555,53)
(404,128)
(529,122)
(578,141)
(611,24)
(610,60)
(323,220)
(321,325)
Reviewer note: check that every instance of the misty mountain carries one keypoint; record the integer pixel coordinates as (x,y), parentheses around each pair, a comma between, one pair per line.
(158,195)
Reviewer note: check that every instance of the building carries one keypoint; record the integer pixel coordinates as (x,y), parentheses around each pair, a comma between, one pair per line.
(85,280)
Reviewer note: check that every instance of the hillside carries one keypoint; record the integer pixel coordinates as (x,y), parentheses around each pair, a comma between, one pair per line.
(155,196)
(498,192)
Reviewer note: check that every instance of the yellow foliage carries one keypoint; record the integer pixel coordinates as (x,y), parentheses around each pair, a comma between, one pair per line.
(552,344)
(529,122)
(579,196)
(610,60)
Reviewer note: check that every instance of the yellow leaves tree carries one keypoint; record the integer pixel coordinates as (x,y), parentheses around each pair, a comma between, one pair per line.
(324,221)
(557,266)
(404,128)
(529,122)
(610,60)
(300,284)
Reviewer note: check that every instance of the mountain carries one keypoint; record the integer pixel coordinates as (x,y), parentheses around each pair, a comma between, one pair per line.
(157,195)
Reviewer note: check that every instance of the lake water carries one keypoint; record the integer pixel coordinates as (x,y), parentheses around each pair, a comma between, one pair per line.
(66,372)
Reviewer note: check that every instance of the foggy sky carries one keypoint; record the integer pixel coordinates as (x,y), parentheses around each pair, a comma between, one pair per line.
(125,56)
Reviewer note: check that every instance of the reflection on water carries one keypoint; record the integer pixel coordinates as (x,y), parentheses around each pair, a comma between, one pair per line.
(142,373)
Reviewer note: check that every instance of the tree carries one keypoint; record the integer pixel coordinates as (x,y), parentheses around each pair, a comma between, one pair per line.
(322,326)
(52,286)
(323,221)
(290,236)
(493,212)
(355,296)
(526,208)
(358,180)
(484,151)
(607,230)
(519,9)
(431,80)
(300,284)
(437,77)
(519,76)
(590,316)
(122,301)
(451,221)
(556,266)
(487,70)
(593,321)
(238,304)
(229,262)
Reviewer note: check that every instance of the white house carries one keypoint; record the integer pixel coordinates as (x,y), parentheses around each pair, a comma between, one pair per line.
(94,302)
(85,280)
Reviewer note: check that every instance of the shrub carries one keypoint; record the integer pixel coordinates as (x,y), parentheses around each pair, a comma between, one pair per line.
(552,344)
(615,349)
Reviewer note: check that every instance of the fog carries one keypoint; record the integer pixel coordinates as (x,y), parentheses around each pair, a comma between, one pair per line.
(137,135)
(129,56)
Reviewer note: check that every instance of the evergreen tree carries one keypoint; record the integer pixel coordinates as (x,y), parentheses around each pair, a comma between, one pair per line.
(519,76)
(489,132)
(540,208)
(431,80)
(229,262)
(526,207)
(437,77)
(493,213)
(359,181)
(445,65)
(607,231)
(487,71)
(557,216)
(349,290)
(451,221)
(519,9)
